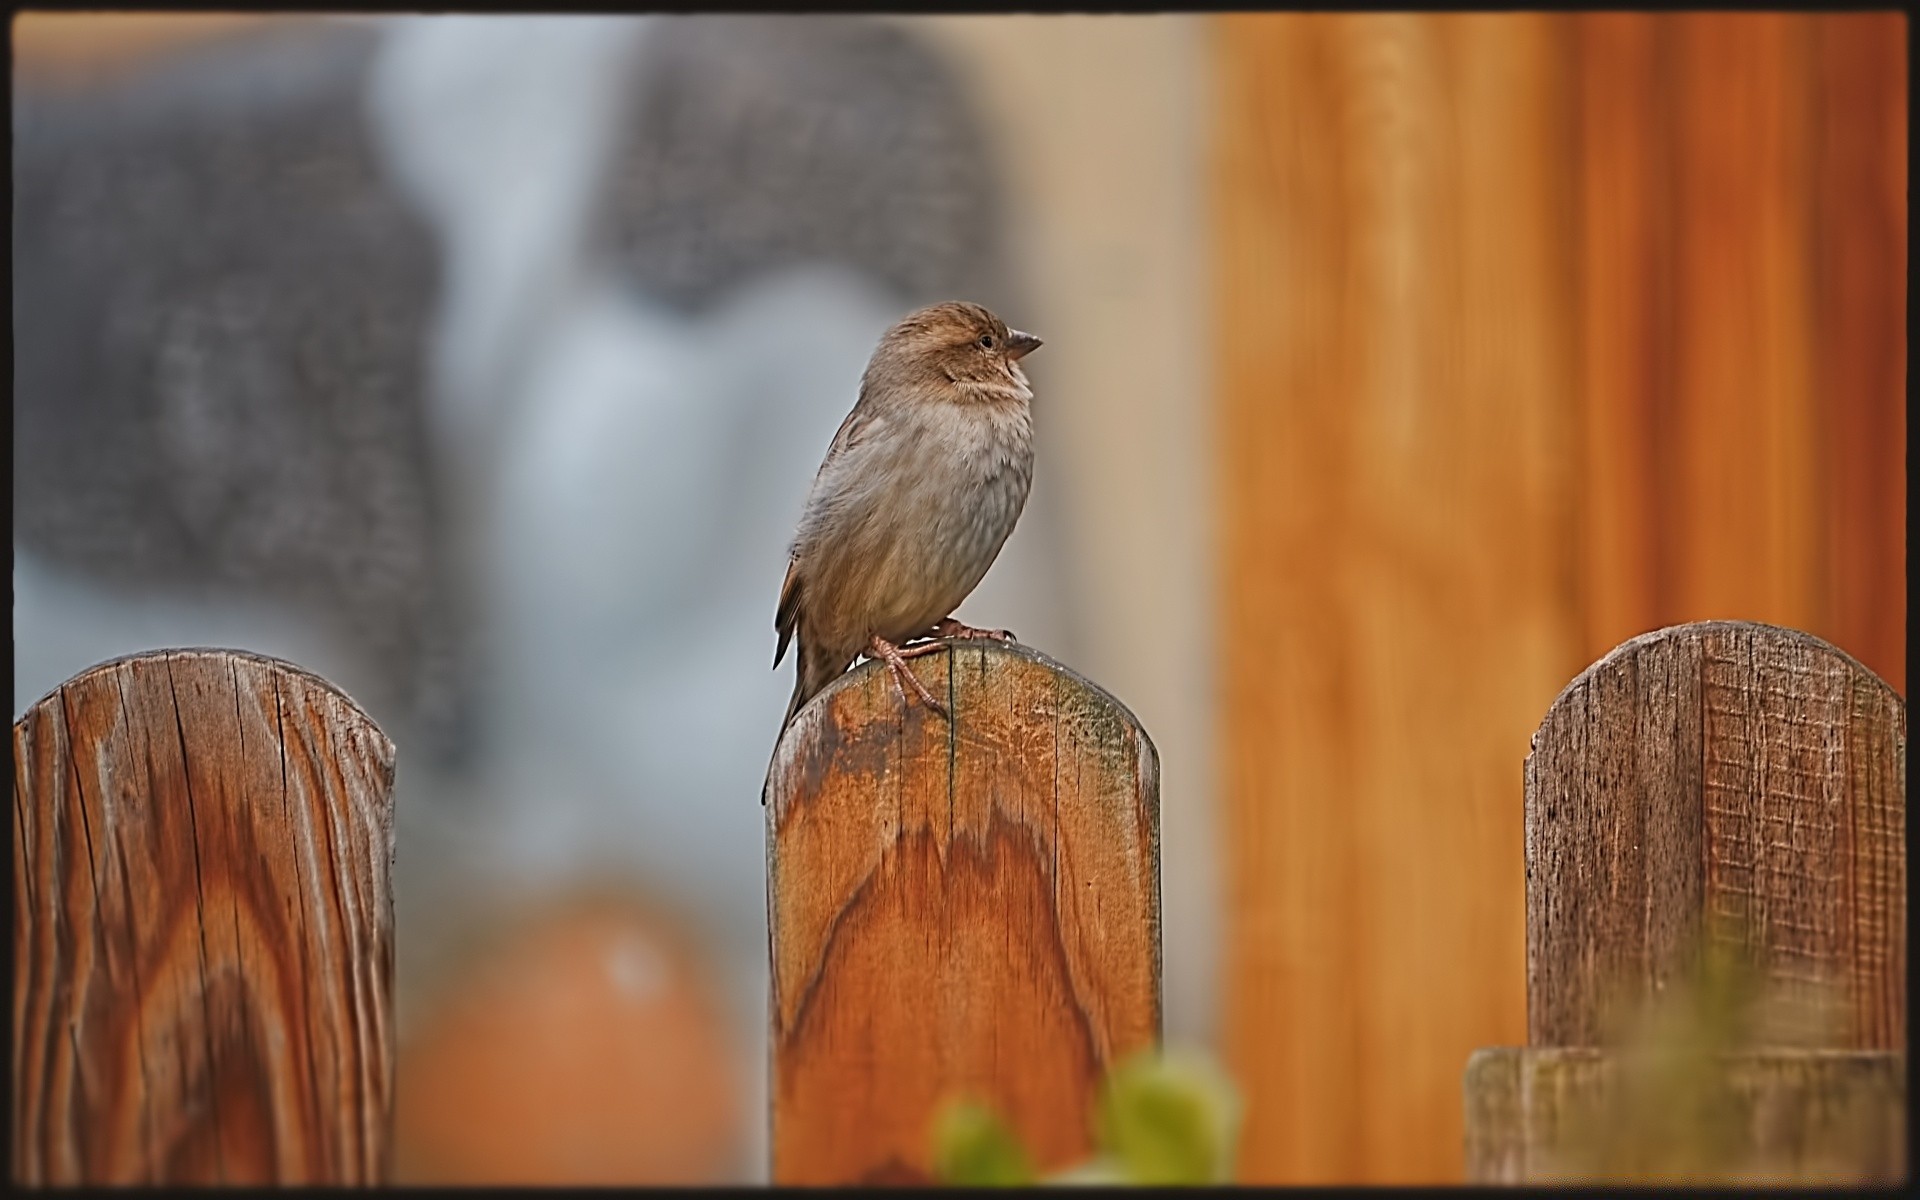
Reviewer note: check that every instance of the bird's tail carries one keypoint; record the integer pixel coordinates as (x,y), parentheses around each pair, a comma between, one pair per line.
(813,670)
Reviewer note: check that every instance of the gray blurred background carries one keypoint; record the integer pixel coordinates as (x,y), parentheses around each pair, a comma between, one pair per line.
(480,364)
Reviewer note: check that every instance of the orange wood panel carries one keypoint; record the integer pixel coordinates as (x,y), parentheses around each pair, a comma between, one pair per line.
(1535,333)
(1860,319)
(1742,241)
(1394,316)
(1744,509)
(1626,233)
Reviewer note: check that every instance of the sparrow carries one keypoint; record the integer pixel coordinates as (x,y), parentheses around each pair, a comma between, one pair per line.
(919,490)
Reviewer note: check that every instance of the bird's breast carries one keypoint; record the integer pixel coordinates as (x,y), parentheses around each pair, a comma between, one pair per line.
(975,482)
(956,484)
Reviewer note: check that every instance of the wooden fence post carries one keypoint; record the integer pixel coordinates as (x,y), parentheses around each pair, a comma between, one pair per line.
(956,909)
(1699,773)
(203,928)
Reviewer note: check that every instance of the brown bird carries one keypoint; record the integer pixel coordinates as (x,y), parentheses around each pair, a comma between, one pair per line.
(917,493)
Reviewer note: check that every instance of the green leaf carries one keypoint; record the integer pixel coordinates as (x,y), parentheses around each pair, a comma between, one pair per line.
(1169,1119)
(972,1147)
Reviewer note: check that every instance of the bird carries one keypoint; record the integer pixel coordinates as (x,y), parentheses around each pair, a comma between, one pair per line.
(919,489)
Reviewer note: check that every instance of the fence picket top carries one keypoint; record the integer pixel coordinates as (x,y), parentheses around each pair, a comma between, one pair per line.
(956,907)
(203,927)
(1725,779)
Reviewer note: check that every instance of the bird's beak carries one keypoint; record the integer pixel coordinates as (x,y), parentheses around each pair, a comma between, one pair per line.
(1019,345)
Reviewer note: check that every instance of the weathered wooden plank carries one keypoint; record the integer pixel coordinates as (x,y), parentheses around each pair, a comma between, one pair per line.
(965,908)
(1777,1117)
(203,927)
(1719,779)
(1713,787)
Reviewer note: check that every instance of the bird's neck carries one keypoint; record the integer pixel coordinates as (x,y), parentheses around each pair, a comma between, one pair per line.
(1011,388)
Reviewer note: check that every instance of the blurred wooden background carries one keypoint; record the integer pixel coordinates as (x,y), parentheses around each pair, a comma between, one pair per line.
(1534,332)
(79,48)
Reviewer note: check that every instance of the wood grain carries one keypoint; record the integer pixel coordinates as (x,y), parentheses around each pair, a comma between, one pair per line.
(1708,771)
(967,908)
(1395,345)
(203,928)
(1728,781)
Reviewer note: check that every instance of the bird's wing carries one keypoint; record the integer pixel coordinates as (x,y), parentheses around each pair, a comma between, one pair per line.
(786,617)
(852,431)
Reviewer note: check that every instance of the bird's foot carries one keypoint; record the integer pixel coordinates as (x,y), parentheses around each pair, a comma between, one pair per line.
(950,628)
(903,678)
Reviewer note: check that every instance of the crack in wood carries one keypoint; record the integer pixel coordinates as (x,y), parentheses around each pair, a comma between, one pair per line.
(167,1071)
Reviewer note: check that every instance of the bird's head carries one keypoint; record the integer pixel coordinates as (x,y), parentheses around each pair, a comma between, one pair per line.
(961,343)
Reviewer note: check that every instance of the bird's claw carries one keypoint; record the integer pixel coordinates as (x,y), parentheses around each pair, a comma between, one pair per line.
(951,628)
(903,676)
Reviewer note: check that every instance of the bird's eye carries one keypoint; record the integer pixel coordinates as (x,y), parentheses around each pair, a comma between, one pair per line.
(986,341)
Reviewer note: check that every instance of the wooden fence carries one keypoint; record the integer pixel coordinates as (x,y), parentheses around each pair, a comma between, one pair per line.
(1713,781)
(203,922)
(202,928)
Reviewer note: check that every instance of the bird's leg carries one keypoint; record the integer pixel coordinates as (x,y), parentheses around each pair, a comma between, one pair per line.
(947,627)
(896,659)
